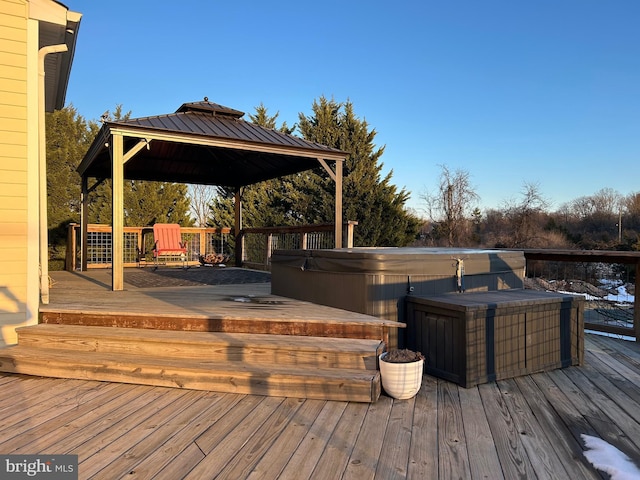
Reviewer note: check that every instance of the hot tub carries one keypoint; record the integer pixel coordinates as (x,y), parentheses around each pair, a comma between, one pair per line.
(372,280)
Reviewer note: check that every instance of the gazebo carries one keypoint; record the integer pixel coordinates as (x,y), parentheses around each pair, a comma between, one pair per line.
(201,143)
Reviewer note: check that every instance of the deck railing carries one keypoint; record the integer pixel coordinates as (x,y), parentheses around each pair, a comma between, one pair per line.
(254,246)
(138,245)
(258,244)
(607,308)
(572,270)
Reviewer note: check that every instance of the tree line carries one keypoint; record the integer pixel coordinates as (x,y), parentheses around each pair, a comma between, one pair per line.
(605,220)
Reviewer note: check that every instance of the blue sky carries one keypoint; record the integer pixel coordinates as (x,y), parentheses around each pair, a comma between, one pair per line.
(544,91)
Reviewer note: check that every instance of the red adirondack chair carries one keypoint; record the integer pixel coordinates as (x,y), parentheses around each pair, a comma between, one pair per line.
(168,243)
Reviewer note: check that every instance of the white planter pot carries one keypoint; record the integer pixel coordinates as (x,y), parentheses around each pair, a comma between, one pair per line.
(401,380)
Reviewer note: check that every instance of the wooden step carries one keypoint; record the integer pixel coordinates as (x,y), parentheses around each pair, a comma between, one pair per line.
(346,325)
(321,352)
(271,379)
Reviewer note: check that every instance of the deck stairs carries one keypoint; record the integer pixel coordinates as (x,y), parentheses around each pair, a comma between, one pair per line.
(343,369)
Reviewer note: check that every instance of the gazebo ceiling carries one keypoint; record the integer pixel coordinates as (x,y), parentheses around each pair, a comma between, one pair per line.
(203,143)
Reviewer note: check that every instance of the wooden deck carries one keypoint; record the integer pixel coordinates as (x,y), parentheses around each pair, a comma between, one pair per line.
(528,427)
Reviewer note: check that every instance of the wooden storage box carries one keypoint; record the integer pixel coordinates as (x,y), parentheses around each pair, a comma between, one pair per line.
(475,338)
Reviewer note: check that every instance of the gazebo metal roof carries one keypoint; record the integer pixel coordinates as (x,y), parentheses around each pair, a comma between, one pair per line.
(201,143)
(205,143)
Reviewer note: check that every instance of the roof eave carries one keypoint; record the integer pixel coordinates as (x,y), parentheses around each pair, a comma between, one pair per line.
(99,143)
(57,26)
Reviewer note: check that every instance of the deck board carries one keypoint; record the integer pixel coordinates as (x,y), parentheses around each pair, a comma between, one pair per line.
(87,292)
(181,446)
(532,434)
(513,459)
(305,458)
(246,458)
(480,443)
(84,298)
(59,430)
(423,457)
(224,452)
(275,459)
(453,455)
(369,442)
(139,431)
(335,457)
(394,456)
(554,428)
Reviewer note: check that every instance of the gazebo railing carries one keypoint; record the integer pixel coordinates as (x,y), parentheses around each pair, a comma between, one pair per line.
(138,245)
(254,245)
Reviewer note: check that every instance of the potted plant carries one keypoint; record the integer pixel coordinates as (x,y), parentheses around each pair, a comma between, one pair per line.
(401,372)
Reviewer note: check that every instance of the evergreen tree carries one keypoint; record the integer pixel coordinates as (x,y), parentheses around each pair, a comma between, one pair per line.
(68,138)
(262,118)
(309,197)
(368,198)
(146,203)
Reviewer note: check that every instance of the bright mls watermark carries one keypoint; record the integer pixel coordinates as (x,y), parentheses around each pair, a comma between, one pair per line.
(49,467)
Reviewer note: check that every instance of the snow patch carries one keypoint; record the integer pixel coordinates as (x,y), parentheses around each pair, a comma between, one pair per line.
(609,459)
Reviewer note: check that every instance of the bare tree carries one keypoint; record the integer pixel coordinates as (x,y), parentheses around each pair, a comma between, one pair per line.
(607,201)
(452,204)
(604,203)
(200,197)
(524,217)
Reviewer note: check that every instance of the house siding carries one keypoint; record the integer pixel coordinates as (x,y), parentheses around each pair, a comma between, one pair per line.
(16,158)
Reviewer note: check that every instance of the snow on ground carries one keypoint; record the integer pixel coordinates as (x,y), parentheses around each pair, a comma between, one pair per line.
(621,297)
(622,294)
(609,459)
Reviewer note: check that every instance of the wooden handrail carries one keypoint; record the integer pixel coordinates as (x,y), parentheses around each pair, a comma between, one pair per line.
(603,256)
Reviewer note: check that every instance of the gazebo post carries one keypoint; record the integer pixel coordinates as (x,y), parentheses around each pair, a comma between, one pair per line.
(238,227)
(84,221)
(338,214)
(117,216)
(337,178)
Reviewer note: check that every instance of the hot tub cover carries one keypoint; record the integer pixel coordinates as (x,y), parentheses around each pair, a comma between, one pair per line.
(402,261)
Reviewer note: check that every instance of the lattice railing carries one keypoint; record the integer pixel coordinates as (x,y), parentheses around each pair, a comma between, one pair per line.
(138,245)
